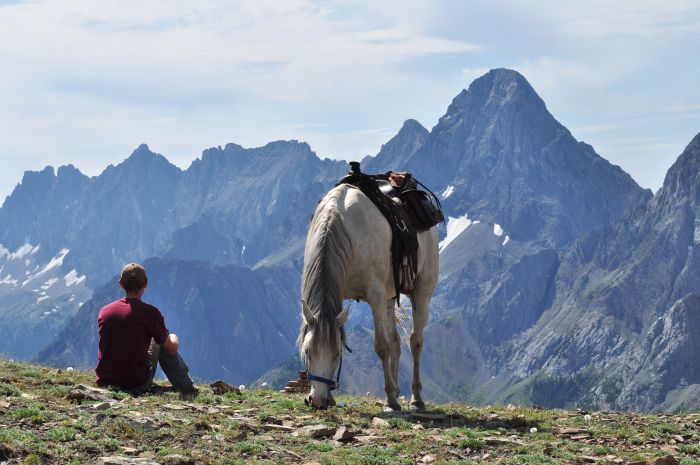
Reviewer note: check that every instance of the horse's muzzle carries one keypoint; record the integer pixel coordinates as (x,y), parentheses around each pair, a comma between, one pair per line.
(319,404)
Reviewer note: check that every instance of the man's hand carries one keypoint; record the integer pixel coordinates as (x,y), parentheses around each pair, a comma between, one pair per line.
(171,344)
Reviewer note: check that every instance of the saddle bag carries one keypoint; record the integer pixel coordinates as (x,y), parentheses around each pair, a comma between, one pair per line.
(424,213)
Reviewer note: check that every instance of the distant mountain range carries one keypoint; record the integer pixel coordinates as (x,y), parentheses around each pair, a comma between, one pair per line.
(562,282)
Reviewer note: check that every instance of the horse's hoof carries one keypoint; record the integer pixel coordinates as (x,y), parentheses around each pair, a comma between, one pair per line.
(388,408)
(418,406)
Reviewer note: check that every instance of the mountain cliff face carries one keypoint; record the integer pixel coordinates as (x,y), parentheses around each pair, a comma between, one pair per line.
(626,306)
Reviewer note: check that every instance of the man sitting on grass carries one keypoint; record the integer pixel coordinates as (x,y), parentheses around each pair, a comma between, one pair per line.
(134,339)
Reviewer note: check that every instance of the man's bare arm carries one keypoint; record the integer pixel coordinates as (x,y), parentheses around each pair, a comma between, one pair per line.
(171,344)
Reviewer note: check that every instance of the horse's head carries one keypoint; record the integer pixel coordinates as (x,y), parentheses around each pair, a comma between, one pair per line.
(321,345)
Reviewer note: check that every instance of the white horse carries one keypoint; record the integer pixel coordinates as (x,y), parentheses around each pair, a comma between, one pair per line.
(348,256)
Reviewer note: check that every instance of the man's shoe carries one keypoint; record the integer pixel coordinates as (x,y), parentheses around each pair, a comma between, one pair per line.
(189,392)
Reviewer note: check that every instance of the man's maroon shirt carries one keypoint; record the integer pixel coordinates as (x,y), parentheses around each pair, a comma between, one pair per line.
(126,327)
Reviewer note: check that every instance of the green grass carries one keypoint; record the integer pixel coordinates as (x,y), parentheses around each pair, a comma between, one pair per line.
(42,426)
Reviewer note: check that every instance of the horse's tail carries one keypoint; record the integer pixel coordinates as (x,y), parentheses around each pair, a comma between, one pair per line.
(326,257)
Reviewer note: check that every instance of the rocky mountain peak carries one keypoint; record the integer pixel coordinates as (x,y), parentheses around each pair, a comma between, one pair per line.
(683,178)
(496,89)
(412,127)
(395,154)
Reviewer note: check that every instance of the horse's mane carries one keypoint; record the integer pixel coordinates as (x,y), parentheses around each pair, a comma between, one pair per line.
(325,270)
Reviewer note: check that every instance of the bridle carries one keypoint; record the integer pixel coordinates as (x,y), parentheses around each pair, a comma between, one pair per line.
(332,385)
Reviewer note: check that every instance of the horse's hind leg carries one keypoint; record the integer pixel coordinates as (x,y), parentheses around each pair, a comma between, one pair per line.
(420,303)
(386,344)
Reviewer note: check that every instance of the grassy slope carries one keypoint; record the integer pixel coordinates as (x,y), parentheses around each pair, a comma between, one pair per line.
(38,425)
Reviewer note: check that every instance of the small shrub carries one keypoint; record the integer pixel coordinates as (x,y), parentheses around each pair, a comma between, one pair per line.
(250,448)
(62,434)
(9,390)
(472,443)
(399,423)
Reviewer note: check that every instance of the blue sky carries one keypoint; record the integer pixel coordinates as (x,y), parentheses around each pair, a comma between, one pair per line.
(85,82)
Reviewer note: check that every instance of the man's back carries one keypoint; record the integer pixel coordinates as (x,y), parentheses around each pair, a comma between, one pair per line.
(126,327)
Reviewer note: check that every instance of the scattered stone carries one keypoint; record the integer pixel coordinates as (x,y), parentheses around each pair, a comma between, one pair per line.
(311,463)
(116,460)
(82,393)
(315,431)
(103,405)
(417,427)
(4,405)
(300,385)
(668,460)
(177,459)
(129,450)
(5,452)
(533,430)
(427,459)
(571,431)
(174,407)
(272,426)
(343,434)
(379,422)
(144,423)
(220,388)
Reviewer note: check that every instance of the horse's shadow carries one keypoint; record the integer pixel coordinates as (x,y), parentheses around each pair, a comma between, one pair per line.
(455,420)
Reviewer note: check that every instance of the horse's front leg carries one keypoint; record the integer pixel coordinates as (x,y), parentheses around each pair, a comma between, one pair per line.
(420,304)
(385,342)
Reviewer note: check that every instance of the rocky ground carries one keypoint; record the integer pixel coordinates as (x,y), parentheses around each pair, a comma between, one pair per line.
(50,416)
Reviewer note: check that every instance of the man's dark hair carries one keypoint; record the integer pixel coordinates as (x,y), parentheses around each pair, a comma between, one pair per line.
(133,284)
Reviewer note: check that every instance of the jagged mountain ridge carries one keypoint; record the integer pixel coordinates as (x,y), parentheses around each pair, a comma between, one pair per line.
(248,196)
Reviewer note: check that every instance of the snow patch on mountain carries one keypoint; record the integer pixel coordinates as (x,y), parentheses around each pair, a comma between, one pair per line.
(49,283)
(455,227)
(54,263)
(9,280)
(447,192)
(73,278)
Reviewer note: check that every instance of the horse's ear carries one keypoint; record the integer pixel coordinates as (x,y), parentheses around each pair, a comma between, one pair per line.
(343,316)
(305,312)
